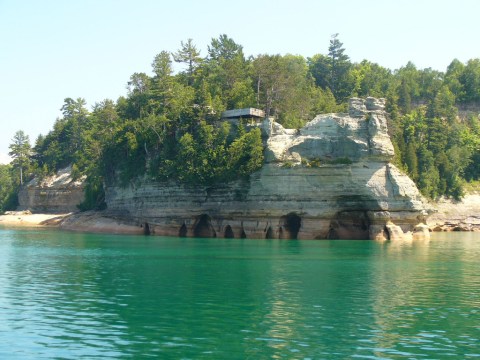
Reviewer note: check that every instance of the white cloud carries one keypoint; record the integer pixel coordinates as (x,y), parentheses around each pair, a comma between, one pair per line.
(5,159)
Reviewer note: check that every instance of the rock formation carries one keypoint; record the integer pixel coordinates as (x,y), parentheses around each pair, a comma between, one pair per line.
(54,194)
(332,179)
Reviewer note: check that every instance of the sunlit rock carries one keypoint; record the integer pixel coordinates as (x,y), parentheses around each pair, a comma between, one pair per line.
(330,179)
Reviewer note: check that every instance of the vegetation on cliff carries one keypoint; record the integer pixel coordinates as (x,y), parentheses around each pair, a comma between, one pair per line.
(8,188)
(168,125)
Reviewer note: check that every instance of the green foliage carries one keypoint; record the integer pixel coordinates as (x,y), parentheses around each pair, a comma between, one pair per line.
(75,173)
(94,195)
(437,151)
(168,125)
(317,162)
(470,81)
(411,160)
(288,164)
(190,55)
(285,89)
(334,71)
(207,158)
(8,187)
(245,154)
(340,161)
(20,151)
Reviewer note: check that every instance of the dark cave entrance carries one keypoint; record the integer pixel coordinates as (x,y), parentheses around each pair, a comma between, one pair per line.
(243,235)
(183,231)
(203,228)
(228,233)
(291,223)
(269,233)
(146,229)
(350,225)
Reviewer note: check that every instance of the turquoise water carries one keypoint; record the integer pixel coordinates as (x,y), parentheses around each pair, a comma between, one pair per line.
(73,296)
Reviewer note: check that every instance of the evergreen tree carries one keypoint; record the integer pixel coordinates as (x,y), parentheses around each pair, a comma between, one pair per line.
(190,55)
(411,161)
(8,198)
(20,151)
(339,68)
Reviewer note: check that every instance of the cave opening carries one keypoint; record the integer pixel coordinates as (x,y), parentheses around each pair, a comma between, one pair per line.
(243,235)
(228,233)
(146,229)
(203,228)
(269,233)
(183,231)
(350,225)
(292,224)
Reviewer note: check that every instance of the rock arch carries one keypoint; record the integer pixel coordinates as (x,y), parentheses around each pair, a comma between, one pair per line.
(183,231)
(290,225)
(146,229)
(350,225)
(203,227)
(228,234)
(269,233)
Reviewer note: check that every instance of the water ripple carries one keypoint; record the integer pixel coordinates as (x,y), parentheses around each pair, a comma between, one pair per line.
(73,296)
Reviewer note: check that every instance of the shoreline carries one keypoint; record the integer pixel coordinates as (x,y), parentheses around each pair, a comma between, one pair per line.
(89,221)
(450,215)
(27,219)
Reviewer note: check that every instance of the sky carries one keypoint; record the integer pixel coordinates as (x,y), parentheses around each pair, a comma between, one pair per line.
(54,49)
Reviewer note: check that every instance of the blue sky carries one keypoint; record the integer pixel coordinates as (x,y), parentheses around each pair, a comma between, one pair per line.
(50,50)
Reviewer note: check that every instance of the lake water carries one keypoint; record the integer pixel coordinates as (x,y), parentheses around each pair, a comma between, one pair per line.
(72,296)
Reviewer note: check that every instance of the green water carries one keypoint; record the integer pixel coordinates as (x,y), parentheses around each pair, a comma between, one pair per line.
(74,296)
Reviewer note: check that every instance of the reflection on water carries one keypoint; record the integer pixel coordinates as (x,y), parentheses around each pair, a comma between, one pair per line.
(71,296)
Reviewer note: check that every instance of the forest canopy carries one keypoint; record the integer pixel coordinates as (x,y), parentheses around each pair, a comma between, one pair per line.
(167,127)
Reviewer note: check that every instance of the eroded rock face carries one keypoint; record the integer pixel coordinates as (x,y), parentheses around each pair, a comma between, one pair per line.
(330,179)
(54,194)
(359,136)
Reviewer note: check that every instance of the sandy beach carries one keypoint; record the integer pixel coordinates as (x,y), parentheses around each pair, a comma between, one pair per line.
(89,221)
(27,219)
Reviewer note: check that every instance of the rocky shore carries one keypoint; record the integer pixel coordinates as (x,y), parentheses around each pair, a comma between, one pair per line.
(453,215)
(331,179)
(449,215)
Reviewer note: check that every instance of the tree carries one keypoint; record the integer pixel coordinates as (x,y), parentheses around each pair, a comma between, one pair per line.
(339,67)
(470,80)
(333,71)
(190,55)
(285,88)
(224,48)
(370,79)
(20,151)
(74,108)
(139,88)
(162,66)
(443,105)
(411,161)
(319,68)
(452,78)
(8,198)
(408,89)
(225,66)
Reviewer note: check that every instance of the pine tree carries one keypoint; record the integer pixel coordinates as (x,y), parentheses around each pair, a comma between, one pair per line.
(20,151)
(339,66)
(190,55)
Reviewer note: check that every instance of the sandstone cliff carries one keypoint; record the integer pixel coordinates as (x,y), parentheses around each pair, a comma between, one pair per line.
(331,179)
(54,194)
